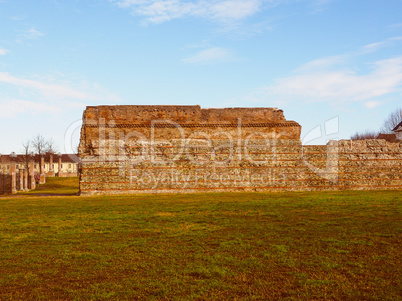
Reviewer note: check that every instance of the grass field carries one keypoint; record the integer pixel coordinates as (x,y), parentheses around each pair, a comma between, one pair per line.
(56,186)
(229,246)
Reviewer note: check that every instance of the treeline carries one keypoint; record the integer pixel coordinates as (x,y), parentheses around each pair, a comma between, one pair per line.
(389,124)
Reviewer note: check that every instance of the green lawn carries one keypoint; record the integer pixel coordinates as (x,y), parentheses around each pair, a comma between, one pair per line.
(56,186)
(228,246)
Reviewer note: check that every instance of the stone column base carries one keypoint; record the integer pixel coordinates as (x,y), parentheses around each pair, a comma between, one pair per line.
(42,179)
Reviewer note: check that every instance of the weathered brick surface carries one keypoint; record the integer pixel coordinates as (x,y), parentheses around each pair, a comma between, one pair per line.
(5,183)
(189,149)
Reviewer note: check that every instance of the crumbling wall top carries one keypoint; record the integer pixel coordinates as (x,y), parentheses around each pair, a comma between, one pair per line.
(144,114)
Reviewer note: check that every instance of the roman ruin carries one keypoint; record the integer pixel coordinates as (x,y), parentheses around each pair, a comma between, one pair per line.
(160,149)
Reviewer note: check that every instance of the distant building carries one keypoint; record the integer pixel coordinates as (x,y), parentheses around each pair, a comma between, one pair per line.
(398,131)
(65,165)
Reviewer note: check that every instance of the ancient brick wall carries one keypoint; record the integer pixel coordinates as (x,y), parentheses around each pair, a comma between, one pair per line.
(361,164)
(130,149)
(5,183)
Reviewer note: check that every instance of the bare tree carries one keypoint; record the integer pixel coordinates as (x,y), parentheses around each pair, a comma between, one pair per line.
(392,121)
(51,147)
(365,135)
(39,145)
(27,153)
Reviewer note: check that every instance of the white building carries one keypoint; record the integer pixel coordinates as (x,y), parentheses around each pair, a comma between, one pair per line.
(398,131)
(65,165)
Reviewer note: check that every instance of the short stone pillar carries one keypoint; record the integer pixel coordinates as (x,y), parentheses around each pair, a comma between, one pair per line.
(42,179)
(32,175)
(51,163)
(59,173)
(21,176)
(13,178)
(26,180)
(51,169)
(42,165)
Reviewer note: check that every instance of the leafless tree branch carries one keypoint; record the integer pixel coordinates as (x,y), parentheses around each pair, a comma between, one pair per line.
(365,135)
(392,121)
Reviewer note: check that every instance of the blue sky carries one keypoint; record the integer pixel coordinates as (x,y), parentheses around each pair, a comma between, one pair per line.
(334,66)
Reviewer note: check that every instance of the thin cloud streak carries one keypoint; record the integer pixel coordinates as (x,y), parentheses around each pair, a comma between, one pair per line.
(378,45)
(50,90)
(12,107)
(335,79)
(86,92)
(341,85)
(213,54)
(32,33)
(159,11)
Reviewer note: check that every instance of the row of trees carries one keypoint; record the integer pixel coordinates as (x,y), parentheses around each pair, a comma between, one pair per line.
(389,124)
(34,149)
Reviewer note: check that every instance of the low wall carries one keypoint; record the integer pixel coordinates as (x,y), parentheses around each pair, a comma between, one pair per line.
(196,165)
(5,183)
(67,174)
(17,180)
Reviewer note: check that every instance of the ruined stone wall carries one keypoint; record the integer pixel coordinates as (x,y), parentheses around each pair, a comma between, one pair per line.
(362,164)
(5,183)
(137,149)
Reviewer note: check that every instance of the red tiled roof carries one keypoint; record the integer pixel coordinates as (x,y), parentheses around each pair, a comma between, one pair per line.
(69,158)
(65,158)
(387,137)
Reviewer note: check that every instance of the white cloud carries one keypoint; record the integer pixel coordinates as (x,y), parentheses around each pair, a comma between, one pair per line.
(158,11)
(48,96)
(234,9)
(323,63)
(3,51)
(46,89)
(32,33)
(343,84)
(372,104)
(213,54)
(378,45)
(12,107)
(83,91)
